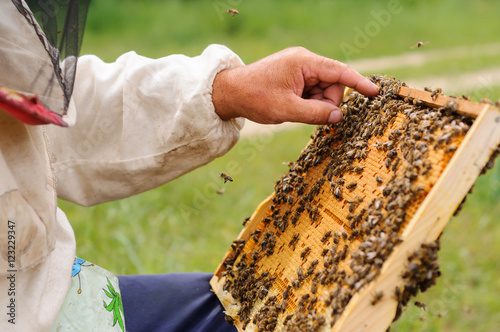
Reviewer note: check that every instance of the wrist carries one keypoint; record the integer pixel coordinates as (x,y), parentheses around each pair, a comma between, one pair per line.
(222,95)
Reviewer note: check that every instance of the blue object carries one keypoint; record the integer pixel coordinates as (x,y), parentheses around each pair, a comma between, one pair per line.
(77,266)
(174,302)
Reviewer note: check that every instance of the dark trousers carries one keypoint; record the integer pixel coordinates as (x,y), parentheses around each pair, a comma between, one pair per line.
(171,302)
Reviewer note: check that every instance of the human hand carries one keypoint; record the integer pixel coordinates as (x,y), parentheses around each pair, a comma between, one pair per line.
(292,85)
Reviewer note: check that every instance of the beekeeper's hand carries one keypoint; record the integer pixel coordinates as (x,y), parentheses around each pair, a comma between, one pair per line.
(293,85)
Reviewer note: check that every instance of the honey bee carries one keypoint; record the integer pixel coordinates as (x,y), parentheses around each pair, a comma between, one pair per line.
(354,234)
(359,169)
(450,149)
(419,44)
(233,12)
(351,185)
(377,297)
(306,252)
(285,293)
(452,105)
(326,236)
(398,294)
(420,305)
(313,288)
(300,272)
(229,319)
(436,93)
(294,240)
(226,177)
(336,237)
(338,192)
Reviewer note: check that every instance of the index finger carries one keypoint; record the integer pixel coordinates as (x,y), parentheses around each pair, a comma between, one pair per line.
(333,71)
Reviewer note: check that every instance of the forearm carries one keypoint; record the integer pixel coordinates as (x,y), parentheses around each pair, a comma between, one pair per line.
(140,123)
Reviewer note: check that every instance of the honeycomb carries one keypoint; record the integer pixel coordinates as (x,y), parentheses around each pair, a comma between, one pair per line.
(316,253)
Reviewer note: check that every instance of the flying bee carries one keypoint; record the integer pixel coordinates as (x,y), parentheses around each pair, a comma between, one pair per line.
(232,11)
(421,305)
(419,44)
(226,177)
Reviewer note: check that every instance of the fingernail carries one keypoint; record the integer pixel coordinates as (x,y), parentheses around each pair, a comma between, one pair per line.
(335,116)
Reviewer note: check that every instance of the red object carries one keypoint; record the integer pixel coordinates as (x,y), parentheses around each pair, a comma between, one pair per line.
(28,109)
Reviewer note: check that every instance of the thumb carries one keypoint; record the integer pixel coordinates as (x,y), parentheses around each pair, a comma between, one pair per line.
(314,111)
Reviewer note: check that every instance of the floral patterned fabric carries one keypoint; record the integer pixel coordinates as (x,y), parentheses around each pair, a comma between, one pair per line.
(93,302)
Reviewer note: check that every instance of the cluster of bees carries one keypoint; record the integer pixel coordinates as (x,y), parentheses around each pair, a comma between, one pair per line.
(373,169)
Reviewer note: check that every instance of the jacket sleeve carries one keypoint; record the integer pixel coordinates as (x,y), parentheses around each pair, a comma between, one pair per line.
(140,123)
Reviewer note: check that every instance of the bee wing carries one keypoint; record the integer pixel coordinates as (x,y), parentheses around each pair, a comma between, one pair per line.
(419,44)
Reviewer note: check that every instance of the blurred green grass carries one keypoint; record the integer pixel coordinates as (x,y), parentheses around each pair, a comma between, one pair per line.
(185,226)
(158,28)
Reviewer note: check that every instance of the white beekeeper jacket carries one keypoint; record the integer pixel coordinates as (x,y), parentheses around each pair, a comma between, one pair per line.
(138,123)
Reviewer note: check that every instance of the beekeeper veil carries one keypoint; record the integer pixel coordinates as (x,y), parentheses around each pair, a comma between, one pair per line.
(39,45)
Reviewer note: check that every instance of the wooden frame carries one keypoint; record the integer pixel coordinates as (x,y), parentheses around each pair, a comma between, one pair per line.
(431,218)
(427,223)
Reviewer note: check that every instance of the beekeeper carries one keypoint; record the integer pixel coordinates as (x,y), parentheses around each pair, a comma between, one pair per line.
(112,130)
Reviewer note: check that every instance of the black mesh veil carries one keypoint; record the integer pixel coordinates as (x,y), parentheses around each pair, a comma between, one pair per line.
(59,26)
